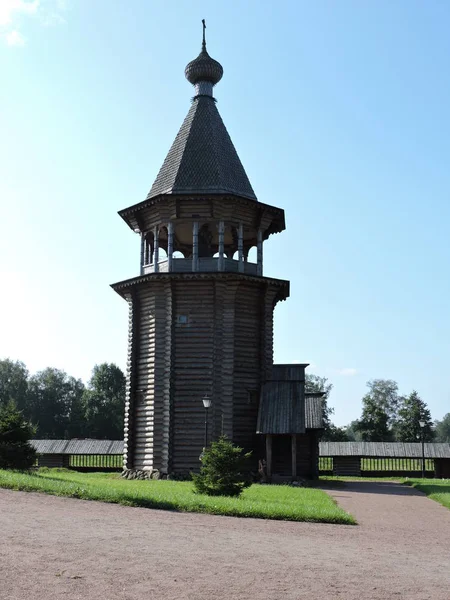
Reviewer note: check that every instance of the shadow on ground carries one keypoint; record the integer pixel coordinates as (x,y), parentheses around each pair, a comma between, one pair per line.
(375,487)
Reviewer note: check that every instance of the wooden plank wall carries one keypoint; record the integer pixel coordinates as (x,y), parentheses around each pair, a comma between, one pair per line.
(52,460)
(193,351)
(442,466)
(153,378)
(347,465)
(307,450)
(224,356)
(247,364)
(133,323)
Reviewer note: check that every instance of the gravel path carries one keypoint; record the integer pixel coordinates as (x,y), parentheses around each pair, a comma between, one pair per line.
(54,548)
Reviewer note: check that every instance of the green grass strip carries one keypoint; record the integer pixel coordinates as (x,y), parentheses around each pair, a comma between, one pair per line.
(436,489)
(280,502)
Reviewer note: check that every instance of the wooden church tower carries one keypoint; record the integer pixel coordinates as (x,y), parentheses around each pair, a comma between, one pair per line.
(200,314)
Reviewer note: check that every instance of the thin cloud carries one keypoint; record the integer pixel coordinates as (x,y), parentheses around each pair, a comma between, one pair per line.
(53,19)
(10,8)
(15,38)
(347,372)
(13,12)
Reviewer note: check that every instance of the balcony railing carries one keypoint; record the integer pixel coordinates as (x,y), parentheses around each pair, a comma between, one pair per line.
(205,265)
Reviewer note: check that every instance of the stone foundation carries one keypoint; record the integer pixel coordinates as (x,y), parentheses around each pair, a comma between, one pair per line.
(140,474)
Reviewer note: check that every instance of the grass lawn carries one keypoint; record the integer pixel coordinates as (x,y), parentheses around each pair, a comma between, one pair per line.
(258,501)
(436,489)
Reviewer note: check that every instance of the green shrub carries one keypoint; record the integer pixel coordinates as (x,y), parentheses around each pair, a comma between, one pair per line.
(15,450)
(224,470)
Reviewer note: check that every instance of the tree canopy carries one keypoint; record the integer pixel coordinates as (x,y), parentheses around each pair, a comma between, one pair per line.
(442,429)
(15,432)
(104,401)
(61,406)
(13,382)
(379,411)
(54,400)
(413,410)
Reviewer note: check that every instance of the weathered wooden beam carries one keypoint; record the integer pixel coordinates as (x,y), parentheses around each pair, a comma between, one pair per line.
(269,456)
(294,456)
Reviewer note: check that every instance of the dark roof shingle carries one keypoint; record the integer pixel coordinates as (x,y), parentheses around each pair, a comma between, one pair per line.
(202,159)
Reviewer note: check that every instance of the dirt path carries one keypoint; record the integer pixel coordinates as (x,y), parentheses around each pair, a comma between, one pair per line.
(54,548)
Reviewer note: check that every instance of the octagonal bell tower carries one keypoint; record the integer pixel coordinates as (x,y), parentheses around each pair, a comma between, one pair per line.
(200,313)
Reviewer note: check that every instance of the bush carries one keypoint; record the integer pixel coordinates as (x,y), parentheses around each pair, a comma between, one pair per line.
(15,450)
(224,470)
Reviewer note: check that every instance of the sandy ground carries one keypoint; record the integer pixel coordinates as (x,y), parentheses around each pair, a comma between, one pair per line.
(62,548)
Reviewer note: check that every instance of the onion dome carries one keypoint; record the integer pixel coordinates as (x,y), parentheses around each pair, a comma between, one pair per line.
(204,68)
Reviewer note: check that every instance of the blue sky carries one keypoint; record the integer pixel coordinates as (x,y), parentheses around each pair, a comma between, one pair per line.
(339,112)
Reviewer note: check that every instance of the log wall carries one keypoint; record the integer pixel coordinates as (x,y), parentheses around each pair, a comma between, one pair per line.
(193,369)
(248,356)
(191,336)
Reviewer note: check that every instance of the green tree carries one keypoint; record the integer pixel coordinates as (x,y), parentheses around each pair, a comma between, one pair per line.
(225,470)
(315,384)
(412,410)
(13,382)
(336,434)
(16,451)
(352,431)
(374,423)
(55,404)
(442,429)
(104,402)
(379,414)
(385,393)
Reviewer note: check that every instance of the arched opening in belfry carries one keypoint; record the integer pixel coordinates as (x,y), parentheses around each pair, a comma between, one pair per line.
(205,241)
(182,240)
(252,255)
(231,241)
(163,242)
(149,246)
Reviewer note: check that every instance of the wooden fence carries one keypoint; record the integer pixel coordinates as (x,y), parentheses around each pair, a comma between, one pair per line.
(81,462)
(96,462)
(372,467)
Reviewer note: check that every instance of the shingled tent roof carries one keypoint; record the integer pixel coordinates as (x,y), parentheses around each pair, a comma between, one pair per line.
(202,158)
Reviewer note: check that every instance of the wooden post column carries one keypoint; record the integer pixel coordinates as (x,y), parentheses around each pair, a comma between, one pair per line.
(141,268)
(294,456)
(146,252)
(269,457)
(195,246)
(156,250)
(221,244)
(259,266)
(170,245)
(241,247)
